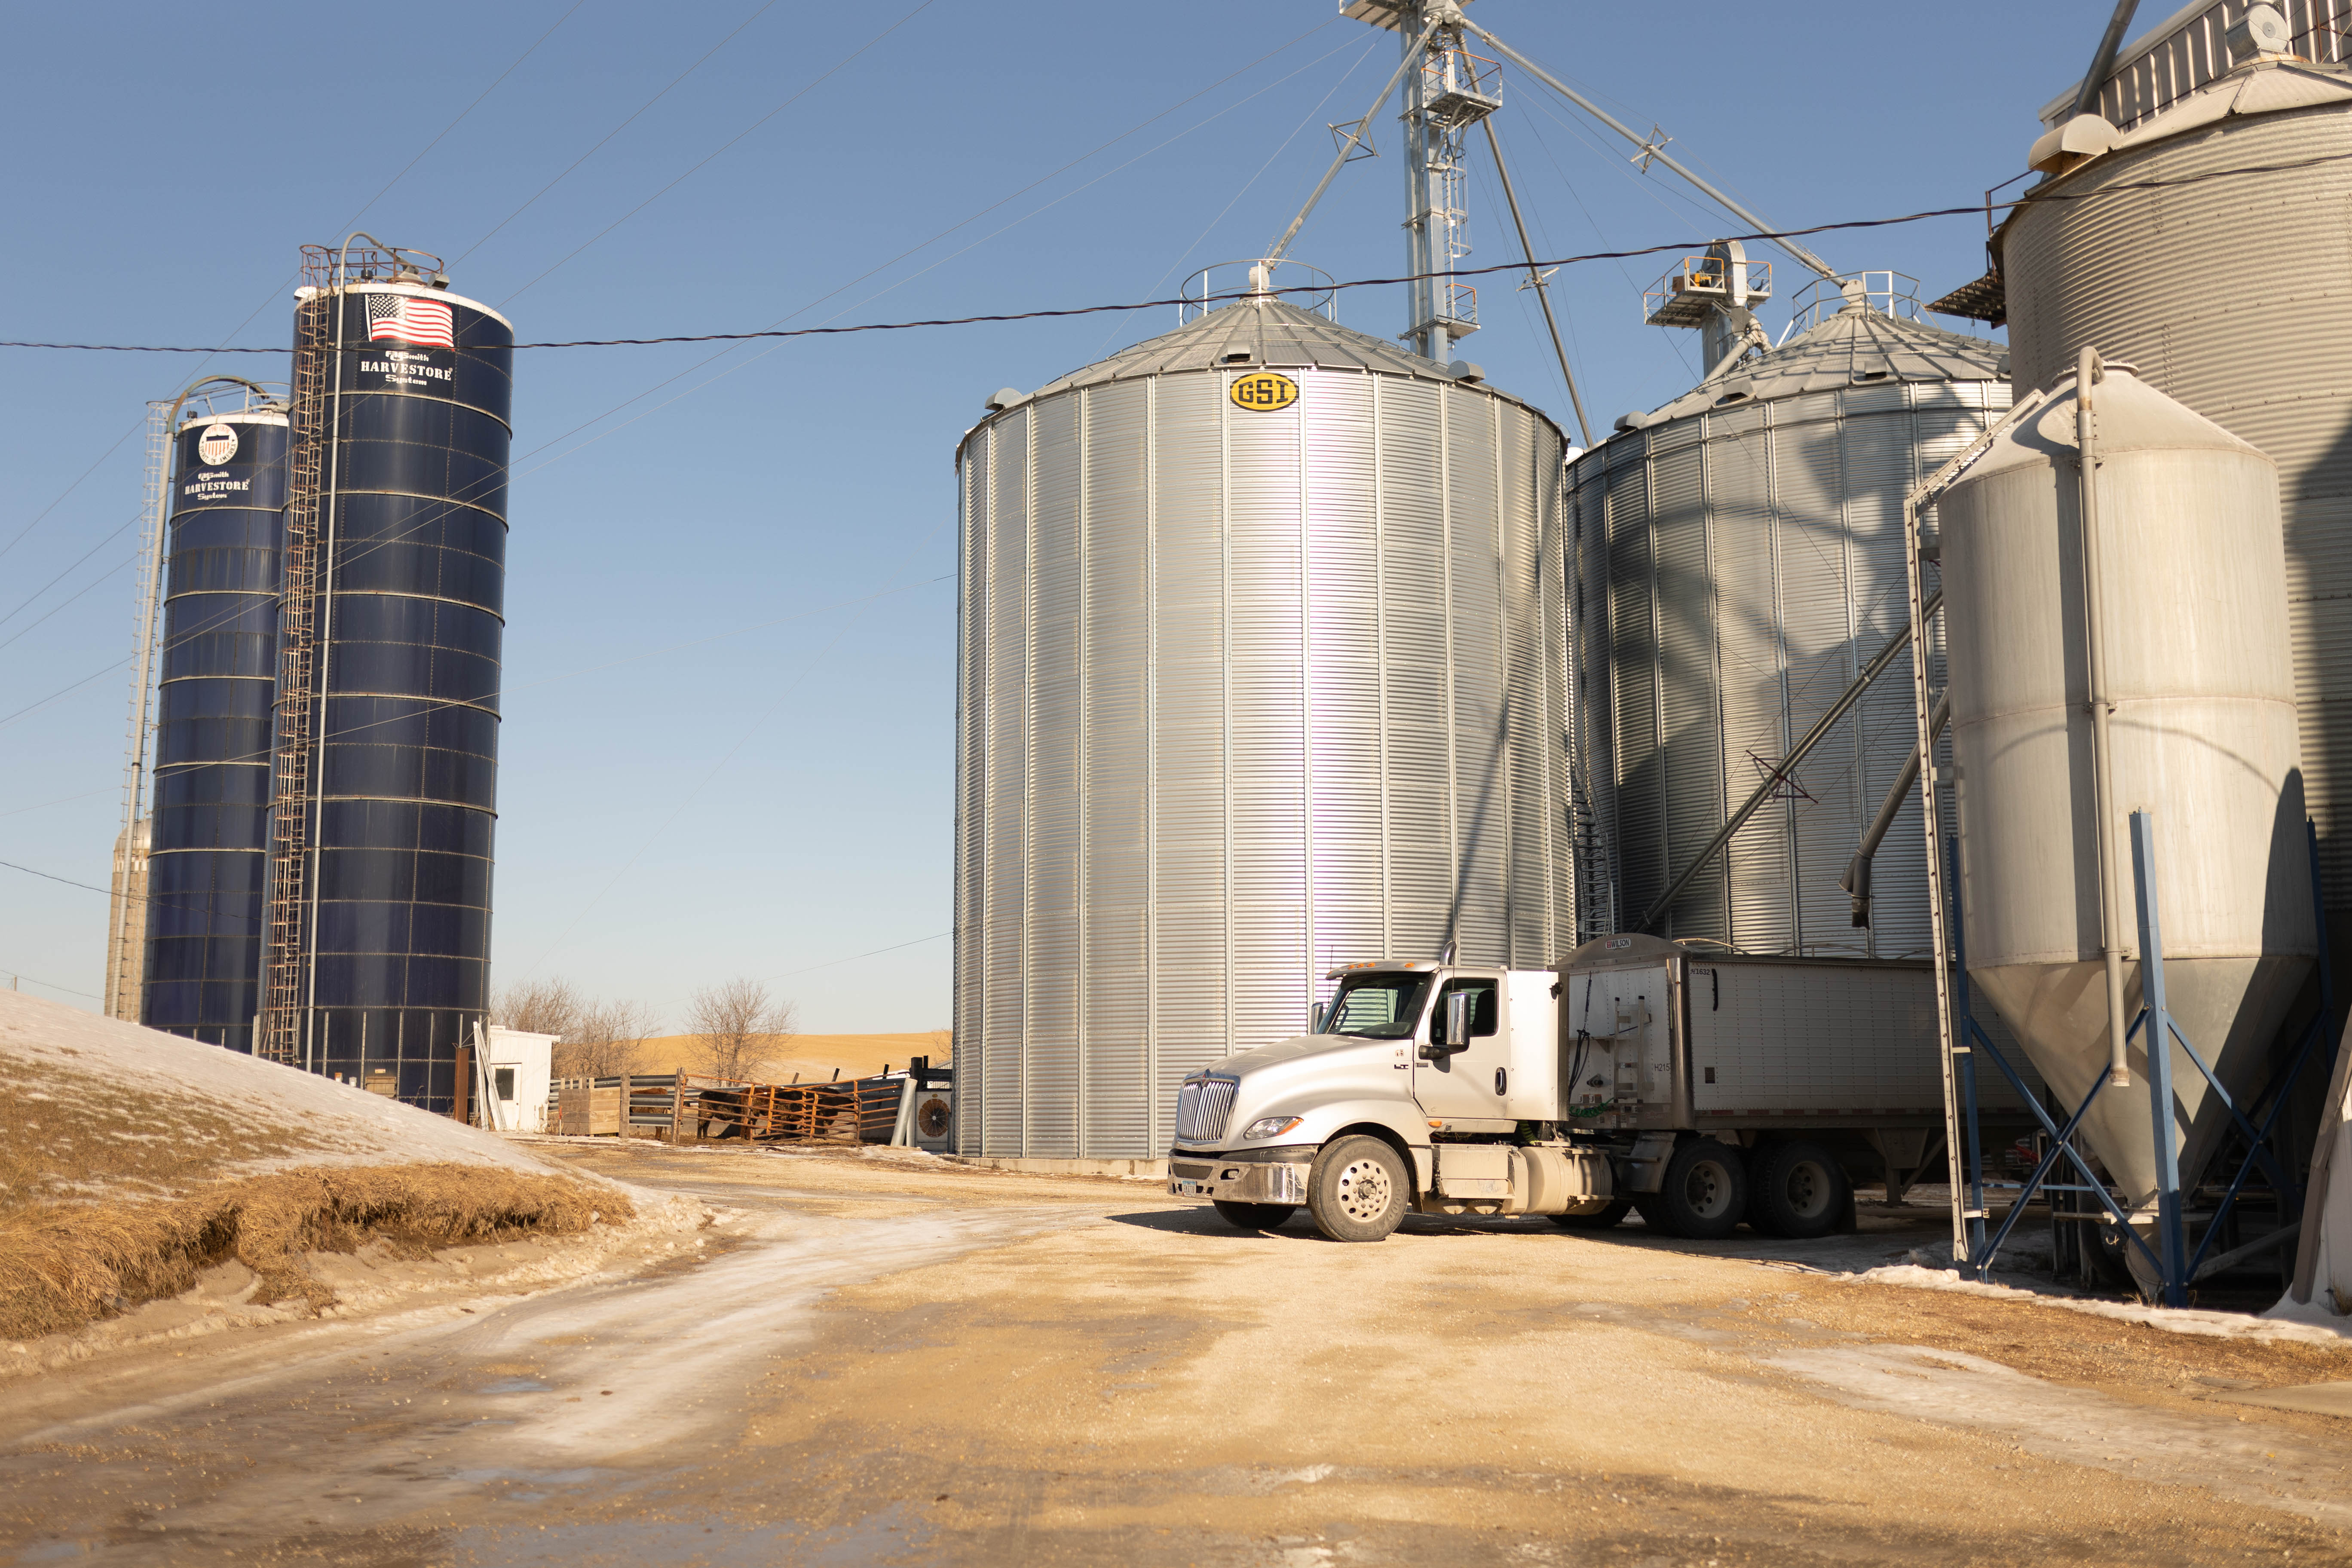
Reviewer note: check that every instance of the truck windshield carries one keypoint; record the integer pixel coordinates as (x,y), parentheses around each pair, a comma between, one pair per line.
(1383,1006)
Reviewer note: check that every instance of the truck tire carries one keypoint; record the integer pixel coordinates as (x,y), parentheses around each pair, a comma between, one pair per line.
(1704,1194)
(1606,1219)
(1253,1218)
(1357,1189)
(1798,1191)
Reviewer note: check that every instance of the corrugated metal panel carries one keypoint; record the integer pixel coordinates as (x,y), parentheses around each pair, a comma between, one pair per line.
(1116,464)
(1343,694)
(2232,291)
(1054,814)
(1690,711)
(1480,785)
(971,811)
(1267,687)
(1190,856)
(1004,929)
(1755,715)
(1817,609)
(1641,825)
(1530,697)
(1412,616)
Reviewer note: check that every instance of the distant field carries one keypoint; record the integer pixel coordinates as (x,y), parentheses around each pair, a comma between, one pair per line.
(814,1056)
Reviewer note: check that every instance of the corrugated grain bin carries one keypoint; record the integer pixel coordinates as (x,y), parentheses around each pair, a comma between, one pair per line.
(2206,247)
(1261,669)
(1738,559)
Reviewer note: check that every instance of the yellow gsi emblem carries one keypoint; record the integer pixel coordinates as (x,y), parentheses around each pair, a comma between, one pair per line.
(1263,392)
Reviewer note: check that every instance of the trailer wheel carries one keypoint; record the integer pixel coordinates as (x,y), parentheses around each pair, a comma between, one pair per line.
(1800,1191)
(1357,1189)
(1704,1194)
(1253,1218)
(1603,1219)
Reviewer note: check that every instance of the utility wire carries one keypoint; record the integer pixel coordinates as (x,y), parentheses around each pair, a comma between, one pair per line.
(53,985)
(608,135)
(1973,210)
(842,65)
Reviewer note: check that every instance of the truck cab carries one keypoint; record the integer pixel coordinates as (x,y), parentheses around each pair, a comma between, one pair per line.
(1420,1087)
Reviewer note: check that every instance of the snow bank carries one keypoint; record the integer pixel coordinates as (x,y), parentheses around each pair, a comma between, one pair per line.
(260,1116)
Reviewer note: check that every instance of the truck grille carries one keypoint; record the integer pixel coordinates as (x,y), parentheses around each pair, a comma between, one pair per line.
(1201,1106)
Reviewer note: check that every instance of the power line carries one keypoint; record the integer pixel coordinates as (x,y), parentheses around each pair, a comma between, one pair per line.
(616,130)
(836,70)
(1972,210)
(53,985)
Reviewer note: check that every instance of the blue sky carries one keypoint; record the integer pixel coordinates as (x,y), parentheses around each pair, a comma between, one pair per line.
(727,746)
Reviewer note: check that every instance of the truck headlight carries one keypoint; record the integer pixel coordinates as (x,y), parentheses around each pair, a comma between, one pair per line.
(1270,1126)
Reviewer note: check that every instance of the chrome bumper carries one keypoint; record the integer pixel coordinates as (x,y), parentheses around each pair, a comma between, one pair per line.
(1215,1178)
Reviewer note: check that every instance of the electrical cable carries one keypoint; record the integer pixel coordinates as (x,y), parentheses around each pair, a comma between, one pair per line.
(1973,210)
(1162,280)
(764,9)
(814,84)
(22,605)
(53,985)
(127,560)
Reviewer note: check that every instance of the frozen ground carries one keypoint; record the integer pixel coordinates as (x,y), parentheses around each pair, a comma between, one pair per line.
(884,1361)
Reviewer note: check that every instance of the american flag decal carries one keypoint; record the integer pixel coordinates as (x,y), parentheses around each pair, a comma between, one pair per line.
(406,319)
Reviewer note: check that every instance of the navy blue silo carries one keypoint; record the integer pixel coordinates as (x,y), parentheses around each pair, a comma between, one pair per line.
(212,739)
(415,516)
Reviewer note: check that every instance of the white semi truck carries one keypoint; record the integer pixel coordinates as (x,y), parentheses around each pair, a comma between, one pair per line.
(1701,1087)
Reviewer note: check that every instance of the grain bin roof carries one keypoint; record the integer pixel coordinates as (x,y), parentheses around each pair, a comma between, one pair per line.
(1853,347)
(1274,332)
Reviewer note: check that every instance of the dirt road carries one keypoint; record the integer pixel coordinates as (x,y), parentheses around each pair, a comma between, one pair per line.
(868,1363)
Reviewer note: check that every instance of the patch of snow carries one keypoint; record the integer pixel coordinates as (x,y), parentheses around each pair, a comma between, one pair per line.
(2172,1319)
(345,1124)
(2310,1314)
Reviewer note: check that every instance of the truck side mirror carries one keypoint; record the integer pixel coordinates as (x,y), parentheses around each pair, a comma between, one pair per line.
(1315,1016)
(1457,1018)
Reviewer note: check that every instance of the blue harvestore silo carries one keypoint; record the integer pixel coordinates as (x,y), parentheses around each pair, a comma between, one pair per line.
(211,817)
(387,973)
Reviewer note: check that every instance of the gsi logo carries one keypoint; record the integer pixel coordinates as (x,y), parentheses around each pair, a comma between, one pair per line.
(1262,391)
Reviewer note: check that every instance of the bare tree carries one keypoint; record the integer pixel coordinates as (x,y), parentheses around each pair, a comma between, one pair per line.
(737,1026)
(538,1008)
(607,1039)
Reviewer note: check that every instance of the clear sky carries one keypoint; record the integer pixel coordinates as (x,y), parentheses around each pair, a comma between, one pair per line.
(728,747)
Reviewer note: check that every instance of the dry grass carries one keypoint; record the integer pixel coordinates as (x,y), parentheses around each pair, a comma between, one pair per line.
(63,1265)
(86,1133)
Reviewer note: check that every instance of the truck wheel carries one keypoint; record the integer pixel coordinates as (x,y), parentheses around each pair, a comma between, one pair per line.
(1800,1191)
(1704,1194)
(1357,1189)
(1254,1216)
(1606,1219)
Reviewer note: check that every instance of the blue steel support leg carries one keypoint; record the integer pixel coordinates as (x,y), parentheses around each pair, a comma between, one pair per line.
(1979,1259)
(2170,1251)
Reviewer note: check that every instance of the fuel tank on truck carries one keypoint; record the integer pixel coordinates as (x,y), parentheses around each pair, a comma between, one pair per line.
(2204,736)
